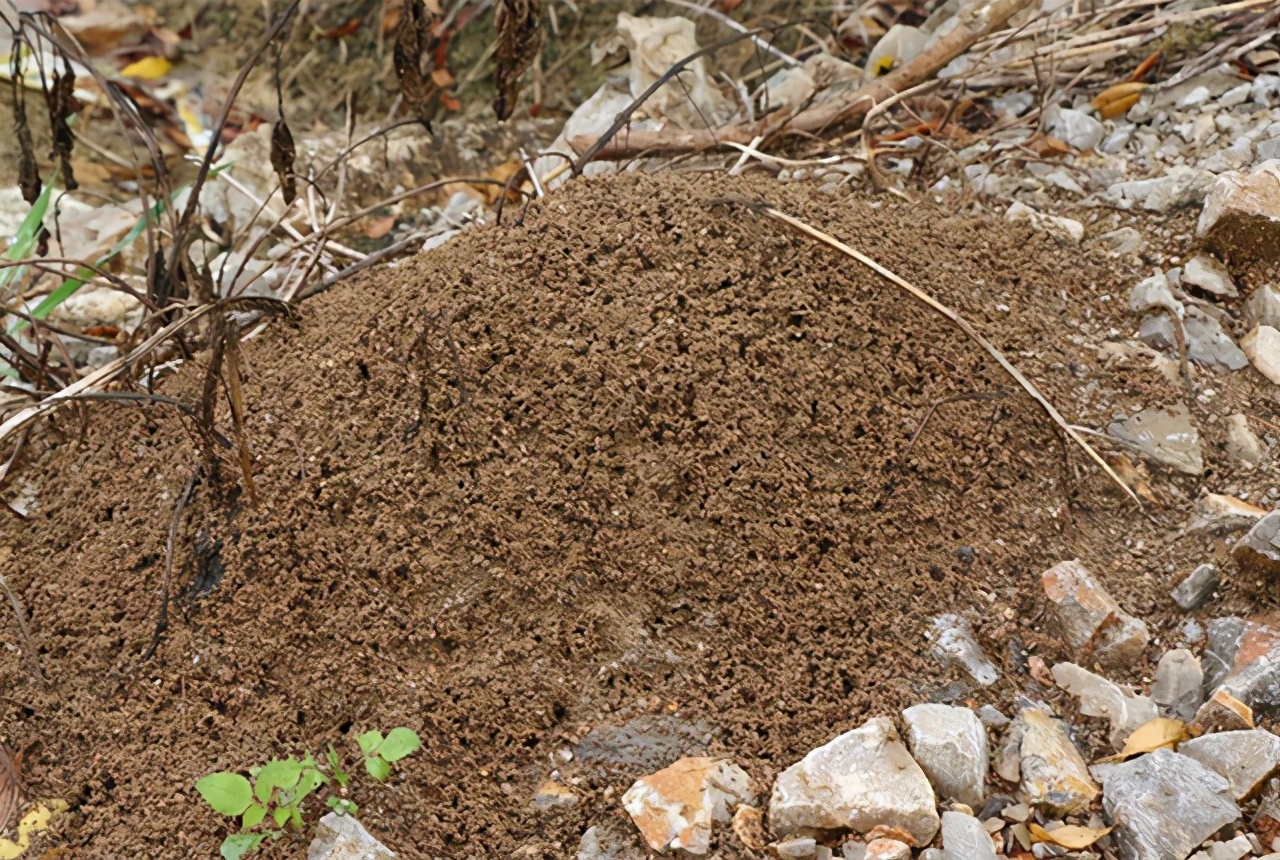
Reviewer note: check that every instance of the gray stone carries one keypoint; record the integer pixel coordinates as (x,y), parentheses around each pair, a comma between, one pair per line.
(609,841)
(853,850)
(1241,215)
(964,838)
(1242,443)
(1207,343)
(1089,618)
(1259,550)
(801,846)
(1178,690)
(341,837)
(1223,638)
(862,778)
(1153,293)
(991,716)
(1165,435)
(950,745)
(1233,850)
(1066,231)
(1209,275)
(1245,759)
(1263,306)
(1100,697)
(1125,241)
(954,644)
(933,854)
(1164,805)
(1198,587)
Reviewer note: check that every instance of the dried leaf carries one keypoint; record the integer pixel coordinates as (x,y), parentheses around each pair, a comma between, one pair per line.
(283,155)
(1048,147)
(1069,835)
(376,228)
(62,103)
(147,69)
(417,40)
(519,25)
(1116,100)
(10,784)
(1160,733)
(28,171)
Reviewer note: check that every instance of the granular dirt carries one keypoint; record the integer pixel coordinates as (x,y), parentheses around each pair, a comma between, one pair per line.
(632,479)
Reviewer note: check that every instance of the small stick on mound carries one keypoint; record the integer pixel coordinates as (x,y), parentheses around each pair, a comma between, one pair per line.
(961,323)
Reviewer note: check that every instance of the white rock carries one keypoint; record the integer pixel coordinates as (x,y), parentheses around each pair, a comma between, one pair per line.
(1209,275)
(887,849)
(1241,215)
(964,838)
(1100,697)
(862,778)
(1245,759)
(1242,443)
(1233,850)
(676,807)
(954,644)
(1066,231)
(1237,96)
(1262,346)
(1154,293)
(1075,128)
(950,745)
(801,846)
(901,44)
(341,837)
(1178,690)
(1125,241)
(1166,436)
(1164,805)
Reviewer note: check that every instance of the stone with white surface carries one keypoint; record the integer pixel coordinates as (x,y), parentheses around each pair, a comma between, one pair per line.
(676,807)
(950,745)
(964,838)
(342,837)
(1262,346)
(1245,759)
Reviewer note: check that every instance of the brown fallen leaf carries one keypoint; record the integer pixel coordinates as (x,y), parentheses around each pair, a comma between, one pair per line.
(1160,733)
(376,228)
(10,784)
(1048,147)
(1069,835)
(1116,100)
(519,25)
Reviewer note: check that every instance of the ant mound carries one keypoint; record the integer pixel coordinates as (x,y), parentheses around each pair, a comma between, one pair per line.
(644,475)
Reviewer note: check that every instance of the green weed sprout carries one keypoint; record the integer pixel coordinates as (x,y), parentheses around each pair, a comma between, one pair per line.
(380,753)
(271,797)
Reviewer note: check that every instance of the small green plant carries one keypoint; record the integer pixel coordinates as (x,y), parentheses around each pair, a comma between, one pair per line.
(380,753)
(271,797)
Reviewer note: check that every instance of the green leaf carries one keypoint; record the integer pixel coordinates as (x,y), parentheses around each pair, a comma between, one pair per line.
(281,815)
(370,741)
(335,764)
(253,816)
(237,845)
(399,743)
(228,793)
(310,781)
(277,774)
(342,806)
(295,817)
(378,768)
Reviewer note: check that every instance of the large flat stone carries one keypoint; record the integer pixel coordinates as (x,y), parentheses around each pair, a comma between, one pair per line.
(950,745)
(1245,759)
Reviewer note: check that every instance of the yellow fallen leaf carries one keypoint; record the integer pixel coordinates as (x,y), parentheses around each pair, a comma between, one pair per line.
(33,822)
(1116,100)
(1160,733)
(1069,835)
(147,69)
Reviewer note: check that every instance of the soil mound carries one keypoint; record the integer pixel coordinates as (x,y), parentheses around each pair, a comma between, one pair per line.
(634,479)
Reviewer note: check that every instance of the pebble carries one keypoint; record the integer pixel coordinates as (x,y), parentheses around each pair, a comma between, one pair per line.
(1218,512)
(1242,443)
(1223,712)
(1075,128)
(1067,231)
(1178,690)
(1153,293)
(964,838)
(887,849)
(1038,754)
(859,780)
(1164,804)
(950,745)
(1245,759)
(1194,591)
(1125,241)
(1165,435)
(553,795)
(748,826)
(1259,550)
(676,807)
(954,644)
(342,837)
(853,850)
(1233,850)
(1207,344)
(991,716)
(1209,275)
(801,846)
(1100,697)
(609,841)
(1241,215)
(1090,620)
(1262,346)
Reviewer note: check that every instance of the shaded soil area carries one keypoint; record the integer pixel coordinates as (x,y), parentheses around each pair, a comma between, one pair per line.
(630,480)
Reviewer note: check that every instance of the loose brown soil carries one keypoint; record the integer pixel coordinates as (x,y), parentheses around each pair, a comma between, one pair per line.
(631,480)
